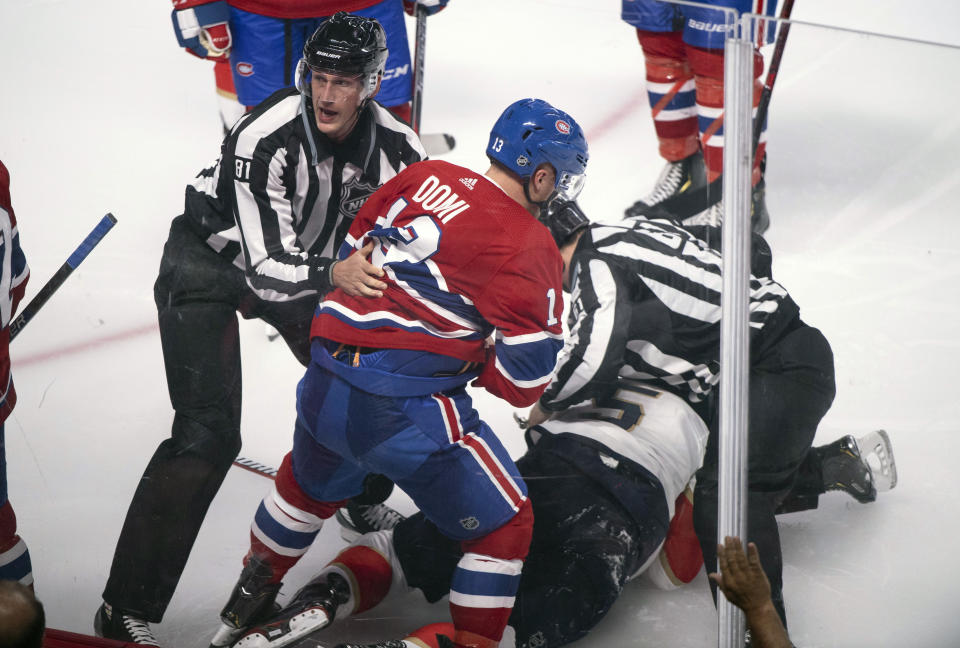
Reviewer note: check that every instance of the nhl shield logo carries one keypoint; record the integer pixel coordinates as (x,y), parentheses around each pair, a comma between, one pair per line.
(470,523)
(354,193)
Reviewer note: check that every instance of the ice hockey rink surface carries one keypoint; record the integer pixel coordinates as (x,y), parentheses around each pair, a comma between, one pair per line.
(100,111)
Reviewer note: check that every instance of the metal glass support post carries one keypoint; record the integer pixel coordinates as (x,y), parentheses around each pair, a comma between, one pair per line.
(735,314)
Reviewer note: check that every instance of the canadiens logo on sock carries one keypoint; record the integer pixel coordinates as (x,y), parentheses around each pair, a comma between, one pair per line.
(244,69)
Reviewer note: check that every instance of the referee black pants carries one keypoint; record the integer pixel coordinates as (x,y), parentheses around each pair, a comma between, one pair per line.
(198,295)
(791,388)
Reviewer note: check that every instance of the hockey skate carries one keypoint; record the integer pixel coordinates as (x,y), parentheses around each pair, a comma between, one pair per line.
(313,608)
(110,623)
(859,467)
(675,179)
(759,216)
(877,452)
(251,601)
(357,519)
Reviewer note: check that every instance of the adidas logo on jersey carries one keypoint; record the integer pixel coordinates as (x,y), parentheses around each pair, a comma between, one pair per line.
(469,183)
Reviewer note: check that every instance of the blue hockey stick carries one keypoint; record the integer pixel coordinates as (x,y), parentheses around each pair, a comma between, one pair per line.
(61,275)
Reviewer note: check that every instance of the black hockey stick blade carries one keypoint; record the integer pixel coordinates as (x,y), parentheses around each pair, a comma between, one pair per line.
(437,143)
(75,259)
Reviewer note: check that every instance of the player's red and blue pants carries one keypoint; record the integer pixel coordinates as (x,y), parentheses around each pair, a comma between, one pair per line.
(266,50)
(407,415)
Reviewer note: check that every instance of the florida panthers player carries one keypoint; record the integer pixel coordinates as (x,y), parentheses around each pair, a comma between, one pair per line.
(473,294)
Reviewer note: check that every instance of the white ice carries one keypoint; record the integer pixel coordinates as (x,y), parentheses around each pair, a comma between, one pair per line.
(101,111)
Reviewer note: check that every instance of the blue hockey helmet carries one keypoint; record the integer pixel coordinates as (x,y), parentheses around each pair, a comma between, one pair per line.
(531,132)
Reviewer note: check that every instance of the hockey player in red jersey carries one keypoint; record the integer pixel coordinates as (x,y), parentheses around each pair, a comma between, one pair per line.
(683,55)
(14,273)
(255,44)
(473,294)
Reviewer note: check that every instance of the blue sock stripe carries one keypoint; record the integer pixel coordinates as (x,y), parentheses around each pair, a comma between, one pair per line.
(484,584)
(283,536)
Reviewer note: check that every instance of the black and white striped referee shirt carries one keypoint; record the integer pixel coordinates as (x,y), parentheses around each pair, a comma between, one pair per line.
(646,305)
(282,196)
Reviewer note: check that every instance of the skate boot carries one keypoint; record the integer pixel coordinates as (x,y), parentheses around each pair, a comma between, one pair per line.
(111,623)
(675,179)
(759,216)
(251,601)
(877,453)
(357,519)
(313,608)
(844,469)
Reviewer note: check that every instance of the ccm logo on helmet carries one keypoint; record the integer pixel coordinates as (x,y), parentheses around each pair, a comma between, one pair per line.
(563,127)
(245,69)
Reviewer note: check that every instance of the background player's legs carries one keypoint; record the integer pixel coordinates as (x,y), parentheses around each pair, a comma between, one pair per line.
(670,91)
(265,53)
(707,67)
(396,89)
(14,557)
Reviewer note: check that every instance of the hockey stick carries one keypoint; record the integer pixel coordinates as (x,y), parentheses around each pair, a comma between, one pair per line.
(433,143)
(255,467)
(419,58)
(75,259)
(685,205)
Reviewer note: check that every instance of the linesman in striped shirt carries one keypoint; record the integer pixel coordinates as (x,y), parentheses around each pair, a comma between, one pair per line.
(257,237)
(645,305)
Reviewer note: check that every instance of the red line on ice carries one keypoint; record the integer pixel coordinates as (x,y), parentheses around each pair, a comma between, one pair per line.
(86,345)
(613,120)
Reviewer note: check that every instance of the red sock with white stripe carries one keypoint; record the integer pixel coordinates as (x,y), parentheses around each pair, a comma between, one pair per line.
(707,67)
(286,523)
(670,90)
(14,556)
(486,579)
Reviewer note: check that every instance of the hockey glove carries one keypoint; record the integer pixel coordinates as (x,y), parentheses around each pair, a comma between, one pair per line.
(432,6)
(202,27)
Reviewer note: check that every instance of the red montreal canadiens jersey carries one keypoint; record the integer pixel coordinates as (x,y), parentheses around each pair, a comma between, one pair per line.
(13,281)
(300,8)
(462,260)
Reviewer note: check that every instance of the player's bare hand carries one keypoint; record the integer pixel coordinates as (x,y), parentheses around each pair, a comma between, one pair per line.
(741,576)
(357,277)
